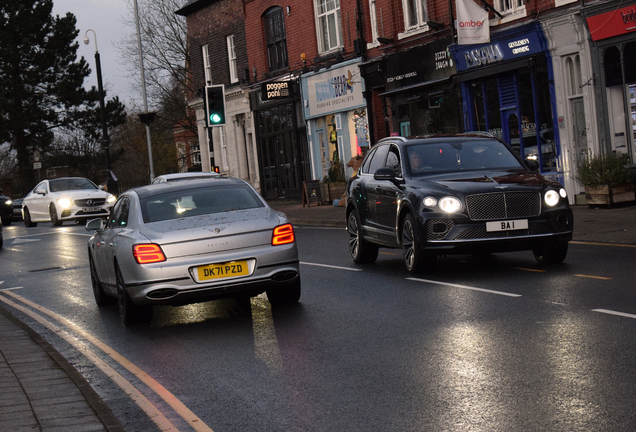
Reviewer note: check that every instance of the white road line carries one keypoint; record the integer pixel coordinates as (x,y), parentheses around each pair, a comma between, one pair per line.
(8,289)
(611,312)
(465,287)
(331,266)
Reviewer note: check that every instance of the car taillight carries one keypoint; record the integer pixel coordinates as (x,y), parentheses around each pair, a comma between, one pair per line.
(283,234)
(148,253)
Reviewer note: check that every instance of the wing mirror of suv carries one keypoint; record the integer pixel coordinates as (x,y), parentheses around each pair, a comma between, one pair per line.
(95,225)
(386,173)
(533,165)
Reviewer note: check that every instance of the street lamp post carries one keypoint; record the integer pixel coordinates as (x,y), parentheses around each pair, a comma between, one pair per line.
(111,184)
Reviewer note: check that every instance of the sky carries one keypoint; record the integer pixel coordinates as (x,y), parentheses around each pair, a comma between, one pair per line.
(105,17)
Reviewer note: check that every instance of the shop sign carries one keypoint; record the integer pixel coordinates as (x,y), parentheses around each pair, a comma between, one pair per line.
(614,23)
(434,62)
(276,90)
(510,49)
(334,90)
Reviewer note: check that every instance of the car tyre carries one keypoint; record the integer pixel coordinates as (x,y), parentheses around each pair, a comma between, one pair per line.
(101,298)
(361,250)
(551,253)
(282,295)
(54,219)
(129,313)
(415,259)
(27,219)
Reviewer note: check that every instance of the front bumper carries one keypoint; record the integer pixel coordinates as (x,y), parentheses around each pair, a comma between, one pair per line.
(74,213)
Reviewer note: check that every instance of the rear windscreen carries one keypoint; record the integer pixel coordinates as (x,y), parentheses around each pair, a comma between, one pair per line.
(200,201)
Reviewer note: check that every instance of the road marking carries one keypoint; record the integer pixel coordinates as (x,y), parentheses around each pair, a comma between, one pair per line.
(331,266)
(465,287)
(603,244)
(23,240)
(160,420)
(593,277)
(8,289)
(389,253)
(611,312)
(195,422)
(530,270)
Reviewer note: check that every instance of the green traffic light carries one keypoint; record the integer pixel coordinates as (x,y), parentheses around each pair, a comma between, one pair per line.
(215,118)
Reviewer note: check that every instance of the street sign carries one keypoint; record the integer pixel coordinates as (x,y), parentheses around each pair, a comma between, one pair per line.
(37,165)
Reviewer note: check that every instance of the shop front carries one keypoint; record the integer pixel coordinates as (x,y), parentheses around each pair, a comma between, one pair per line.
(419,96)
(336,114)
(613,52)
(507,89)
(281,139)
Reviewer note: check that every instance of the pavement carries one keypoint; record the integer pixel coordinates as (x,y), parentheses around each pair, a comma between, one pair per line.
(41,391)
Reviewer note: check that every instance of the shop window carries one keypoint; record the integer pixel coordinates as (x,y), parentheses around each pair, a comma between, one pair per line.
(612,66)
(231,55)
(479,105)
(207,69)
(276,39)
(328,25)
(415,17)
(629,59)
(195,153)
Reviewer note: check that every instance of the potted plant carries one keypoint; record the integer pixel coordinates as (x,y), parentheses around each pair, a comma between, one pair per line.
(607,179)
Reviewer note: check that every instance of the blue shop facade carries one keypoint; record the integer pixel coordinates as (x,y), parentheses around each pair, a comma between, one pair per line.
(507,89)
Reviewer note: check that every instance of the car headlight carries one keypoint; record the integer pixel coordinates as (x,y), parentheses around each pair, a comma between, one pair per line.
(563,193)
(551,198)
(450,204)
(111,199)
(64,202)
(430,201)
(8,202)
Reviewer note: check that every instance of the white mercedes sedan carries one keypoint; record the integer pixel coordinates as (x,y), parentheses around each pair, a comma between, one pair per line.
(177,243)
(65,199)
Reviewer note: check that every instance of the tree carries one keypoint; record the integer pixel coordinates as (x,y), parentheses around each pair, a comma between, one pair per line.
(41,78)
(165,53)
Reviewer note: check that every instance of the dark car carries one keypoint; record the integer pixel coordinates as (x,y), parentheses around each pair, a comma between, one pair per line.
(461,194)
(17,210)
(6,209)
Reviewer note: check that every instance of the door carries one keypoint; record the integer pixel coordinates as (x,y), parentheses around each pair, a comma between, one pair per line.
(38,204)
(388,196)
(579,130)
(374,189)
(103,252)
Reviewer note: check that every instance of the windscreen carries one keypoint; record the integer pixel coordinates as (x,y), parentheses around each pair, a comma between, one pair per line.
(197,202)
(472,155)
(59,185)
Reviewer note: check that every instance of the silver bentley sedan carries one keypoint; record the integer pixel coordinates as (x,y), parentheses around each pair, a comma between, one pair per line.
(184,242)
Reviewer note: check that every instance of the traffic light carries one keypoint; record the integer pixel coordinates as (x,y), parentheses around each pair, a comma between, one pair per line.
(216,169)
(215,105)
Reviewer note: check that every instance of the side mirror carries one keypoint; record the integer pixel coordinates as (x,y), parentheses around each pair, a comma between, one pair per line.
(533,165)
(386,173)
(95,225)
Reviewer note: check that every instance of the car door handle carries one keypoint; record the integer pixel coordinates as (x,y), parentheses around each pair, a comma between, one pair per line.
(378,188)
(110,245)
(358,187)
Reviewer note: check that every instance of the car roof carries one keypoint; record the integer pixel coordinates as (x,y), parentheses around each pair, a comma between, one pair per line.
(161,188)
(437,138)
(190,174)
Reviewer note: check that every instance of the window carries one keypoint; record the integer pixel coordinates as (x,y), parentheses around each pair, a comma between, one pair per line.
(573,74)
(328,25)
(415,17)
(231,55)
(195,153)
(276,39)
(207,69)
(373,14)
(511,8)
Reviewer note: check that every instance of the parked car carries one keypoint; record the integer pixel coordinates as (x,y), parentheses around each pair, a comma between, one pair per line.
(6,209)
(65,199)
(462,194)
(184,176)
(177,243)
(17,210)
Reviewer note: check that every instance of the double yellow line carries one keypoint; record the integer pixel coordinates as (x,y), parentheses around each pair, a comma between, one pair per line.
(155,415)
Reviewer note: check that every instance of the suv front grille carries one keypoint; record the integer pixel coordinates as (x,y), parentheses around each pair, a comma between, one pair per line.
(503,205)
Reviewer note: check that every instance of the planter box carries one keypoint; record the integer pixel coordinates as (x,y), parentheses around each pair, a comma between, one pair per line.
(605,195)
(336,190)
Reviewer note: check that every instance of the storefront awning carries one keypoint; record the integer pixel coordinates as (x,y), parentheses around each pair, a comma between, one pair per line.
(415,86)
